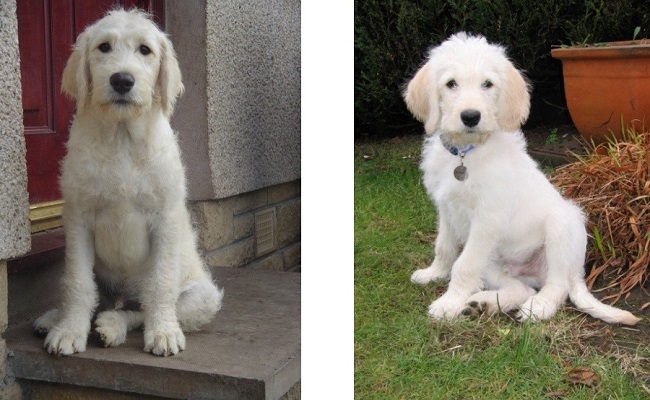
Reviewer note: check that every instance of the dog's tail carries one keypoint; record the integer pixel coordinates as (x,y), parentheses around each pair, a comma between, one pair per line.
(586,302)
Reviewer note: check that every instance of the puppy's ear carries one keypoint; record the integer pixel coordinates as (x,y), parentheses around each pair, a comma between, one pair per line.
(514,101)
(169,81)
(421,97)
(76,82)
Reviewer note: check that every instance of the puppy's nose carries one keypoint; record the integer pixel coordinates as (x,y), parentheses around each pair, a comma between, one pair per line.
(122,82)
(470,117)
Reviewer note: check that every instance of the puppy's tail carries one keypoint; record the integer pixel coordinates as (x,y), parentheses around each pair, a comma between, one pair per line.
(586,302)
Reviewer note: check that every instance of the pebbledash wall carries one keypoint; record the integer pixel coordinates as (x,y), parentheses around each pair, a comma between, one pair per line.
(238,125)
(14,219)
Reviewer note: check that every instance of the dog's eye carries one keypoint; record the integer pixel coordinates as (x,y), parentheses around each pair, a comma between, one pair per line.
(144,50)
(104,47)
(487,84)
(451,84)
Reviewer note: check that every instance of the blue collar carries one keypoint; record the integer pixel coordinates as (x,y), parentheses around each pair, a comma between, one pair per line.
(455,150)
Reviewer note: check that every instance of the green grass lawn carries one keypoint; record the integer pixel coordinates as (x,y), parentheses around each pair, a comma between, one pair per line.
(401,354)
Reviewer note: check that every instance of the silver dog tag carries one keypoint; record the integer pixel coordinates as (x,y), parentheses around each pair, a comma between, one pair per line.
(460,172)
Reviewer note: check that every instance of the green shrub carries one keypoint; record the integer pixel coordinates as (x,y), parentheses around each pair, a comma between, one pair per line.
(605,20)
(391,39)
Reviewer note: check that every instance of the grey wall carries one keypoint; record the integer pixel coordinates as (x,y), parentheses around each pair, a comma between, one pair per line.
(14,206)
(239,120)
(190,118)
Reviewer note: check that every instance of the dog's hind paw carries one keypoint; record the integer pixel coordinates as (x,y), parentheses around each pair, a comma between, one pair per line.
(474,309)
(536,308)
(45,322)
(112,328)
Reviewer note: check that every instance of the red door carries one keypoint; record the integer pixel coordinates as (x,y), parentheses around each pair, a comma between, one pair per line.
(46,31)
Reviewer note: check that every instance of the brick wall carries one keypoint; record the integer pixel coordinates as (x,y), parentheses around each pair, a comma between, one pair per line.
(259,229)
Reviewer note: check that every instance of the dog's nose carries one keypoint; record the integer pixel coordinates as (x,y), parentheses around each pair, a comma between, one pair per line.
(122,82)
(470,117)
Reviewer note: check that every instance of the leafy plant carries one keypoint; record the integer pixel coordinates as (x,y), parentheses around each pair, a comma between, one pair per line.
(552,137)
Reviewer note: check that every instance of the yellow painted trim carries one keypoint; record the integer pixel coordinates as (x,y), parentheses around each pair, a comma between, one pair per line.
(46,215)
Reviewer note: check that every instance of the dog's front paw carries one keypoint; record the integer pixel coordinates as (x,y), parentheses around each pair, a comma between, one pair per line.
(164,342)
(446,308)
(64,341)
(427,275)
(112,327)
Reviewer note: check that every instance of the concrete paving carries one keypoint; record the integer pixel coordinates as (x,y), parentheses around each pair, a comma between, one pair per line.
(250,351)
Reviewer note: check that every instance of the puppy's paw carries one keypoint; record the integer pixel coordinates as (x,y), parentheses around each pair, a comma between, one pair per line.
(63,341)
(535,309)
(446,308)
(45,322)
(474,309)
(112,328)
(164,341)
(424,276)
(484,303)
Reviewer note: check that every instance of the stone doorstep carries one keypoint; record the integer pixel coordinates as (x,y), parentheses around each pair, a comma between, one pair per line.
(250,351)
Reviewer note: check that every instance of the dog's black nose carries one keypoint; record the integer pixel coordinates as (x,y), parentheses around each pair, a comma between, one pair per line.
(470,117)
(122,82)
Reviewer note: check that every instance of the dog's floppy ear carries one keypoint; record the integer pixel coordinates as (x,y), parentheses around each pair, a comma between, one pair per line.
(169,77)
(514,101)
(421,96)
(76,74)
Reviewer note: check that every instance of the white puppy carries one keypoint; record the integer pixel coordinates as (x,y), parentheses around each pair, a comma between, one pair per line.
(506,237)
(123,183)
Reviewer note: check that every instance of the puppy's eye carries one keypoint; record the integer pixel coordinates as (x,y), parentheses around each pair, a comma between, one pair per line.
(144,50)
(451,84)
(487,84)
(104,47)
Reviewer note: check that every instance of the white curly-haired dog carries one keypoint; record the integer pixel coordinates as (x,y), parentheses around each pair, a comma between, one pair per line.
(506,238)
(123,183)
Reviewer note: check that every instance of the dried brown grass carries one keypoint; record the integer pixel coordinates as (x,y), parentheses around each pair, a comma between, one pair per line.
(612,184)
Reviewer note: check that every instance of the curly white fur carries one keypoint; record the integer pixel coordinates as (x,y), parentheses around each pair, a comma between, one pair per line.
(123,183)
(506,238)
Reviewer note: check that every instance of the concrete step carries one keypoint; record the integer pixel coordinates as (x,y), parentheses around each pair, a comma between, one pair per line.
(250,351)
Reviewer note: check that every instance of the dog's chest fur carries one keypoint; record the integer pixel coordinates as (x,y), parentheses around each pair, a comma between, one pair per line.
(126,182)
(500,176)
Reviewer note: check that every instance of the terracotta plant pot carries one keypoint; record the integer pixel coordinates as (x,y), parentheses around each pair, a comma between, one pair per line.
(607,85)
